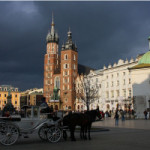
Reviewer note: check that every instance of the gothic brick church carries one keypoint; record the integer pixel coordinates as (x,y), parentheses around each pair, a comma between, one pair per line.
(60,71)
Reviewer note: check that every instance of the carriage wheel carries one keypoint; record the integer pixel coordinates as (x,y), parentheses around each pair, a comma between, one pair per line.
(9,134)
(53,134)
(43,133)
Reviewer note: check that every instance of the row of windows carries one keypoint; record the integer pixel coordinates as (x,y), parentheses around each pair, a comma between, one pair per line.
(66,66)
(5,102)
(66,57)
(118,83)
(118,93)
(117,75)
(5,95)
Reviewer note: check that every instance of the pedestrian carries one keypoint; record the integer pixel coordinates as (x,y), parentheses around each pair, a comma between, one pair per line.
(145,114)
(116,118)
(122,115)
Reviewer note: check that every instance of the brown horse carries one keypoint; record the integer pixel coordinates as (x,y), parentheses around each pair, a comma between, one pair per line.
(83,120)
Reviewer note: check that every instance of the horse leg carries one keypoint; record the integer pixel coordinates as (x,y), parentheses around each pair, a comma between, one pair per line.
(89,128)
(65,135)
(81,132)
(72,134)
(85,133)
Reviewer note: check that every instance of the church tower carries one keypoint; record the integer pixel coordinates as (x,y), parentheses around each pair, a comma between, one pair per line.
(69,71)
(51,61)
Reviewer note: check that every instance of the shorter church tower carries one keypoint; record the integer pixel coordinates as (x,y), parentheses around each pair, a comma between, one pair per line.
(69,71)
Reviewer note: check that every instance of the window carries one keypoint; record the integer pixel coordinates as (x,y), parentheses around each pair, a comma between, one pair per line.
(66,66)
(65,57)
(74,66)
(0,95)
(65,80)
(66,73)
(124,82)
(129,81)
(117,74)
(124,93)
(112,84)
(117,83)
(118,94)
(124,73)
(96,79)
(107,85)
(74,57)
(65,87)
(57,82)
(107,94)
(112,76)
(130,93)
(5,95)
(107,77)
(112,94)
(16,95)
(15,102)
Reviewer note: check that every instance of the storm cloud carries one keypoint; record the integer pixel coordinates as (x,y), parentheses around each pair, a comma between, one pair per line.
(103,31)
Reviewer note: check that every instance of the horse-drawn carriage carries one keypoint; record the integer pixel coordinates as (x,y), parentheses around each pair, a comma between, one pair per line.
(31,119)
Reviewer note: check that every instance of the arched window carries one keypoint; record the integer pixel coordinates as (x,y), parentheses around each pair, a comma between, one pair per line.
(65,57)
(57,82)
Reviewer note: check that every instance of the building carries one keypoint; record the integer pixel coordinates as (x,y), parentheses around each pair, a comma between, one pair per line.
(60,71)
(31,97)
(15,96)
(140,75)
(115,85)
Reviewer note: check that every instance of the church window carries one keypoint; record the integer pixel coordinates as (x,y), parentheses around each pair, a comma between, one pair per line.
(74,57)
(65,87)
(65,66)
(66,73)
(57,82)
(65,57)
(74,66)
(65,80)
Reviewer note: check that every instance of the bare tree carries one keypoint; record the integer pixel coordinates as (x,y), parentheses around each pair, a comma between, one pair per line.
(87,90)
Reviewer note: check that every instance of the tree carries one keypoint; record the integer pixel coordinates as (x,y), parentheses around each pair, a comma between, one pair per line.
(86,90)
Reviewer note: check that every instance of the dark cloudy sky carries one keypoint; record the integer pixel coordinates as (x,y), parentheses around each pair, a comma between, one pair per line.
(104,32)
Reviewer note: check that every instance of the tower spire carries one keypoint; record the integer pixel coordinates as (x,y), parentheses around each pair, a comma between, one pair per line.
(52,19)
(52,25)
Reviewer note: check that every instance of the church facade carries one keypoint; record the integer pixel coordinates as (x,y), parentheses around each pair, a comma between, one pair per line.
(60,71)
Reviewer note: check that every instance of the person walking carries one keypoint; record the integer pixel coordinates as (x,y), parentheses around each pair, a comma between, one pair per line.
(122,115)
(116,118)
(145,114)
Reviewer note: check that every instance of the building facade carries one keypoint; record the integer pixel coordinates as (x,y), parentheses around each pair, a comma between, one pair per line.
(15,96)
(60,71)
(115,86)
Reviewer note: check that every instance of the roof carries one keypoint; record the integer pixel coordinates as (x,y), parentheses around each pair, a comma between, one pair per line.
(139,66)
(84,69)
(145,58)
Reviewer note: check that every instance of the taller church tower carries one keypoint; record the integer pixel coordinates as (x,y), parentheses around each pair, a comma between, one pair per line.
(60,72)
(51,61)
